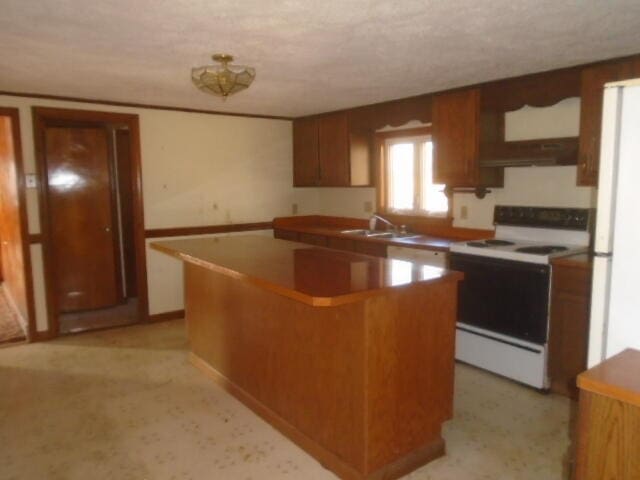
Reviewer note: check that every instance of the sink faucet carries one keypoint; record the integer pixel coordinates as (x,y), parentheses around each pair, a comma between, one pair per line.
(374,218)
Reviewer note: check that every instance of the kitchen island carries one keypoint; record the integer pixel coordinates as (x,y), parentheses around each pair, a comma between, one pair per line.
(350,356)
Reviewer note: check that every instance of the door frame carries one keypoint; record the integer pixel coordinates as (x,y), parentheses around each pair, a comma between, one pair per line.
(42,117)
(14,117)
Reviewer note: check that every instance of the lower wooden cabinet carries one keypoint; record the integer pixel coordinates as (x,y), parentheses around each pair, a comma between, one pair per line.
(313,239)
(569,325)
(285,235)
(339,243)
(608,435)
(370,248)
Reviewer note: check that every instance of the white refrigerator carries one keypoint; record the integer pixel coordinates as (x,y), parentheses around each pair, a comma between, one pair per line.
(615,303)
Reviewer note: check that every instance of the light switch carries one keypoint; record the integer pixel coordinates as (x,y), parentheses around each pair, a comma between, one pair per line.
(368,206)
(31,180)
(464,213)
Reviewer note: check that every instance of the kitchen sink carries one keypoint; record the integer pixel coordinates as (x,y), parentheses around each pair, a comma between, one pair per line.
(378,234)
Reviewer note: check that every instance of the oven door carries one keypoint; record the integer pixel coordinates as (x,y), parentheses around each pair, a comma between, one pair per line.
(504,296)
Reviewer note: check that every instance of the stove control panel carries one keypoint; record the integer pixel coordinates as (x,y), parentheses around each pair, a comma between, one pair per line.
(544,217)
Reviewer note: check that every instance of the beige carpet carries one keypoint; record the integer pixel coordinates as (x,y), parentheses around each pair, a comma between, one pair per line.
(125,404)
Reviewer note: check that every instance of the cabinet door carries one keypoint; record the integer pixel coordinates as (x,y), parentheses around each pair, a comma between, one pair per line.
(333,150)
(568,340)
(591,93)
(305,152)
(456,138)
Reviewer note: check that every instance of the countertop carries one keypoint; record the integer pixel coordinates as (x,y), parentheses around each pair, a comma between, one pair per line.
(616,377)
(313,275)
(420,241)
(434,237)
(580,260)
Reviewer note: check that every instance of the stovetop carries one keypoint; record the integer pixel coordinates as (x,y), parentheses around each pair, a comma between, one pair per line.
(532,234)
(516,249)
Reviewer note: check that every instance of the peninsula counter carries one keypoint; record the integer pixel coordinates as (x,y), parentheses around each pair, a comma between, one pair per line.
(350,356)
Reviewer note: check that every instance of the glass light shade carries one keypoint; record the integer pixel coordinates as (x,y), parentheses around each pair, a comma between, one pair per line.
(224,79)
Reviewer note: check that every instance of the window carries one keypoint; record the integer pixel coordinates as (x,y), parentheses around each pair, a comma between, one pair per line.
(408,171)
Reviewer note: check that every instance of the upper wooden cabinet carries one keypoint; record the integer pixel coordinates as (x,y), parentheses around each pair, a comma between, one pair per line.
(591,94)
(456,137)
(305,152)
(456,134)
(327,153)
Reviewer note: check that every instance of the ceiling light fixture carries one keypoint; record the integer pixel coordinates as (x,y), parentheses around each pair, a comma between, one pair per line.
(224,79)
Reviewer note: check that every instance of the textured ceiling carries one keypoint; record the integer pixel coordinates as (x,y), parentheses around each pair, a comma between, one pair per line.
(311,56)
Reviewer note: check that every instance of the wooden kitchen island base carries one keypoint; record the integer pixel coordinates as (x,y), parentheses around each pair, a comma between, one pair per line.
(363,384)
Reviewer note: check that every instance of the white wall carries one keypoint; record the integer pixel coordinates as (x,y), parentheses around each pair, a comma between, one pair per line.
(528,186)
(198,169)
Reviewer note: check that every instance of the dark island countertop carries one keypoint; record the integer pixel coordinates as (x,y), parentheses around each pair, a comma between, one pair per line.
(313,275)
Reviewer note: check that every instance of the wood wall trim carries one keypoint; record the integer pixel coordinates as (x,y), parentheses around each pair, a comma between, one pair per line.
(139,105)
(165,316)
(41,117)
(206,229)
(14,115)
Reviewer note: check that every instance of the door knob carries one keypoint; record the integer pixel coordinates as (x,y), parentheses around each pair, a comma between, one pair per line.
(107,229)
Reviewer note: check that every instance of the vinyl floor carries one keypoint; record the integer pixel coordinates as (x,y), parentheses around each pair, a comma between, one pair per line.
(126,404)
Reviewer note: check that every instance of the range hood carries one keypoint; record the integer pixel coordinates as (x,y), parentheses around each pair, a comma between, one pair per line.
(526,153)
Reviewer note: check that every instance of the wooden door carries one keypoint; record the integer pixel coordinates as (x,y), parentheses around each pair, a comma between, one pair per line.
(85,263)
(305,152)
(333,150)
(591,97)
(456,138)
(12,217)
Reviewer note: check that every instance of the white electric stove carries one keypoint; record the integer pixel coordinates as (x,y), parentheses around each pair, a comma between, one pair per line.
(503,304)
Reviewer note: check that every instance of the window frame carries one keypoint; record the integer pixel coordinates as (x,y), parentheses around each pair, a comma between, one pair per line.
(383,141)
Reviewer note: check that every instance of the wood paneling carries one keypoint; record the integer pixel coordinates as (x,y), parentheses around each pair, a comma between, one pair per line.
(363,387)
(537,90)
(86,265)
(14,247)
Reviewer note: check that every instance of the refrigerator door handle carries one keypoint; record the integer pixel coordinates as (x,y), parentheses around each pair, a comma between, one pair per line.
(603,254)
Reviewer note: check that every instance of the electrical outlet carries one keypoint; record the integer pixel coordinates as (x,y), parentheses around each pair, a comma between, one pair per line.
(294,209)
(368,206)
(31,180)
(464,212)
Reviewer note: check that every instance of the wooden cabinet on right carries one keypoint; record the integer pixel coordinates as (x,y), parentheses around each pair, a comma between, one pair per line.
(569,324)
(608,433)
(593,80)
